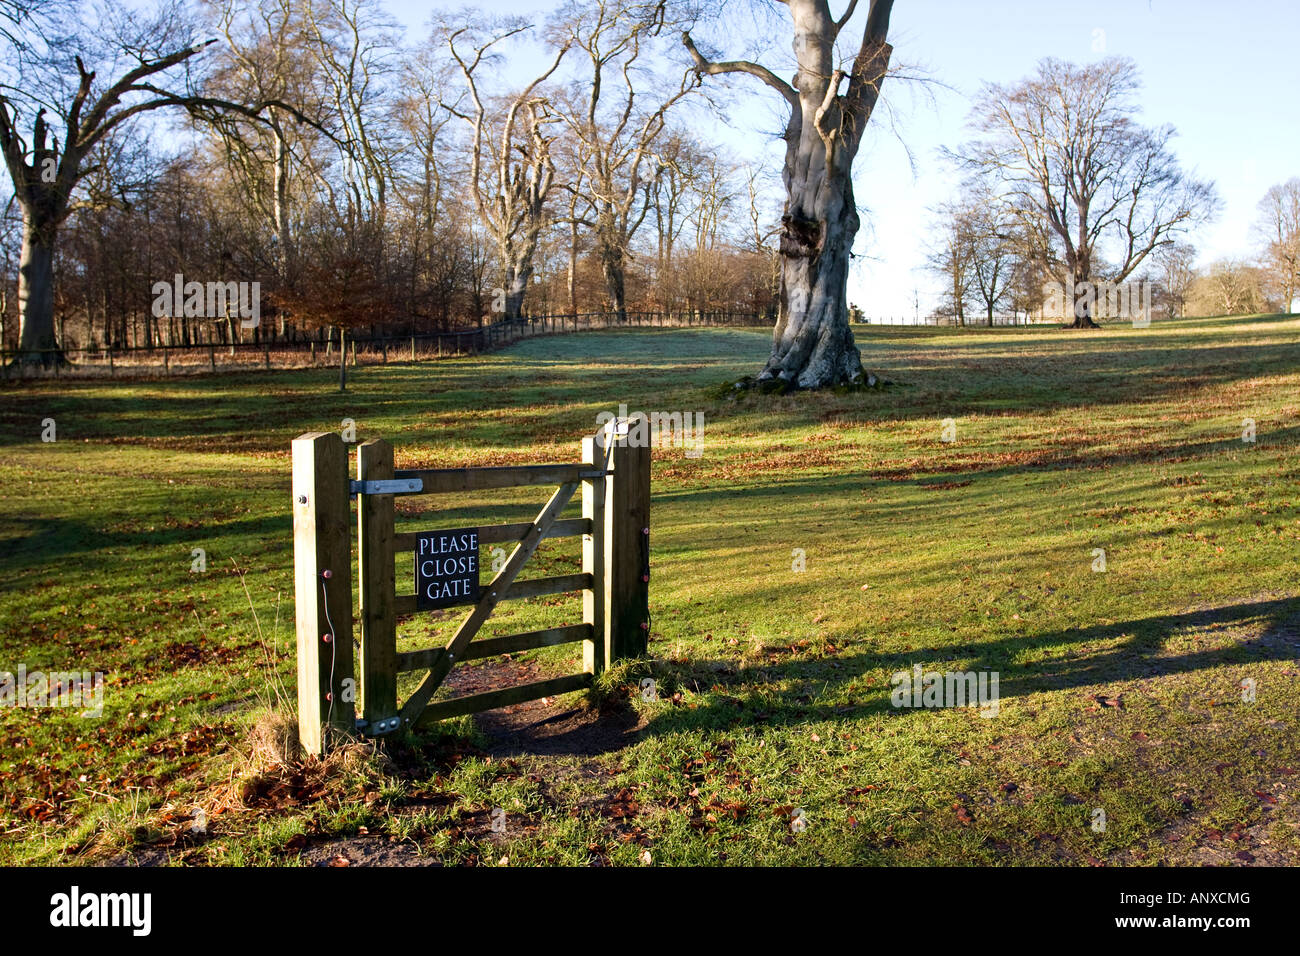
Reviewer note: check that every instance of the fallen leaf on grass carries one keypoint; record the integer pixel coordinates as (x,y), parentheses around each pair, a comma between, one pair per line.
(295,843)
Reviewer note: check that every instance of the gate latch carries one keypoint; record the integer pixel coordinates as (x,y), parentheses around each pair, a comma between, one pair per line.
(389,486)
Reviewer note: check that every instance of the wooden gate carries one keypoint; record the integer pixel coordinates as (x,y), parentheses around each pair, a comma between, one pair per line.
(614,477)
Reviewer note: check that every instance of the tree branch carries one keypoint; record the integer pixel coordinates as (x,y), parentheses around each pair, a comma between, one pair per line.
(703,66)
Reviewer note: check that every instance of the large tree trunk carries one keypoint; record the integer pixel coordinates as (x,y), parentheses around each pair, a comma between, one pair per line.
(611,262)
(36,338)
(519,271)
(516,289)
(1081,304)
(812,346)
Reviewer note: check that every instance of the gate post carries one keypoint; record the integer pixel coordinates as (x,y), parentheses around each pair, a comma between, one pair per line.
(595,650)
(322,574)
(375,560)
(627,542)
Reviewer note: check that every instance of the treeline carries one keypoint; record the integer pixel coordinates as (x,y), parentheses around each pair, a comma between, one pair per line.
(1066,197)
(366,182)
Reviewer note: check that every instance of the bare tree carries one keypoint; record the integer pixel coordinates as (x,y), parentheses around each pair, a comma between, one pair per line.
(993,246)
(353,46)
(977,252)
(264,57)
(23,23)
(1176,265)
(510,178)
(812,346)
(761,234)
(46,174)
(951,258)
(1063,149)
(615,135)
(1279,227)
(1229,287)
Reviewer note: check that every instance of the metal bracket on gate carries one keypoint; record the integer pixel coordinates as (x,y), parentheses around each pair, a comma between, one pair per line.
(389,486)
(379,727)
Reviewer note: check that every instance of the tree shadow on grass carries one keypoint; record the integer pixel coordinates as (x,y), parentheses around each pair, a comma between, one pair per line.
(1139,654)
(1156,365)
(558,729)
(28,541)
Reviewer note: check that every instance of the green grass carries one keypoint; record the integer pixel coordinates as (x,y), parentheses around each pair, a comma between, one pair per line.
(975,554)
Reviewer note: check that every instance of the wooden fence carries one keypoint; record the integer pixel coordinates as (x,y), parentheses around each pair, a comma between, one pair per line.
(614,478)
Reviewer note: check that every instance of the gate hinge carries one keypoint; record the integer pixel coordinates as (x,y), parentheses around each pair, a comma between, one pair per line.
(389,486)
(378,727)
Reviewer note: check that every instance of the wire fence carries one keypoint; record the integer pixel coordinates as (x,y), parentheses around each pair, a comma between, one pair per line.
(971,321)
(325,349)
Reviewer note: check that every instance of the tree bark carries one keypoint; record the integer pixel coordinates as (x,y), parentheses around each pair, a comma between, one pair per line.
(611,263)
(518,255)
(36,338)
(812,346)
(1080,303)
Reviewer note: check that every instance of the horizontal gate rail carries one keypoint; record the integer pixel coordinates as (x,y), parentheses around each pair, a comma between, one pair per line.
(532,587)
(448,480)
(473,703)
(491,646)
(497,533)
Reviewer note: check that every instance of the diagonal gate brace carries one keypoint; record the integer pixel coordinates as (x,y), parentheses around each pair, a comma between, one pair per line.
(415,705)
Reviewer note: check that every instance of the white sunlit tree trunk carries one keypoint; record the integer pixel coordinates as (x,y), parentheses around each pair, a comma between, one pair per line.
(812,344)
(511,177)
(616,115)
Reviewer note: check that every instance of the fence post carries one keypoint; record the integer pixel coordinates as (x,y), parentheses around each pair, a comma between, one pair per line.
(375,561)
(412,348)
(322,573)
(627,543)
(596,650)
(343,359)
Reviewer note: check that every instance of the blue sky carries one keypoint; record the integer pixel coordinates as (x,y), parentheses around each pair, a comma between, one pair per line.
(1224,75)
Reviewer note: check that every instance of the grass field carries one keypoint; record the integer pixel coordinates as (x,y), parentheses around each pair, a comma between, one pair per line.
(1120,691)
